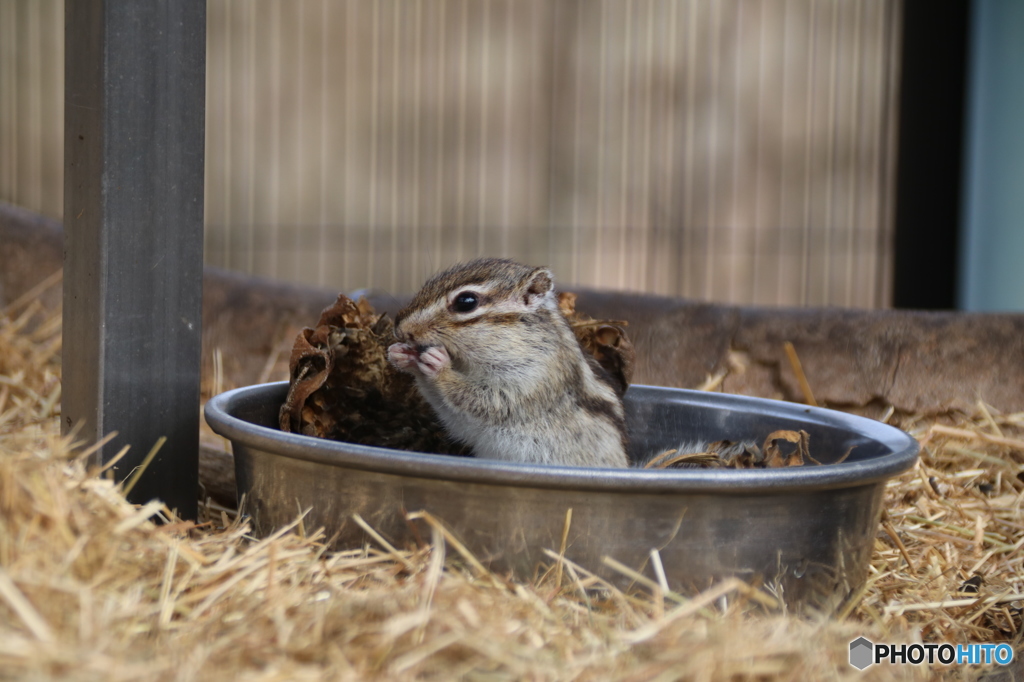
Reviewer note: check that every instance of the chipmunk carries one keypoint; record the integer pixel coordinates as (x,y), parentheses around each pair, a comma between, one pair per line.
(501,367)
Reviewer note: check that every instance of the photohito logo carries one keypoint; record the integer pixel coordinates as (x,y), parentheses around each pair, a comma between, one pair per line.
(864,652)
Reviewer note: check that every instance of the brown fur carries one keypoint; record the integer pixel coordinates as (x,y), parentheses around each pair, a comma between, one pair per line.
(518,385)
(507,274)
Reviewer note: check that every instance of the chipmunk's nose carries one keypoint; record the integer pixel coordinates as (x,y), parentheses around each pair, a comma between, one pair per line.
(416,335)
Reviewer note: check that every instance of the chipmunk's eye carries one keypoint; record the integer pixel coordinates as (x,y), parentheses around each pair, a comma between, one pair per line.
(465,302)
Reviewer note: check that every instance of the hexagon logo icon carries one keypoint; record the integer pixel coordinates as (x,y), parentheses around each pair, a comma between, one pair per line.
(862,653)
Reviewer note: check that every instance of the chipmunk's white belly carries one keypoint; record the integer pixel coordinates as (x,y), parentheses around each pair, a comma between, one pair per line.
(580,440)
(600,448)
(559,431)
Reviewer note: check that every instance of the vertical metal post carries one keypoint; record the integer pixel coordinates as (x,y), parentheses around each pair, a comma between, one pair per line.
(134,118)
(933,71)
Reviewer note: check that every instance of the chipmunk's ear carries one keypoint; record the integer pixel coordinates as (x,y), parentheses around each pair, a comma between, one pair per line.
(541,286)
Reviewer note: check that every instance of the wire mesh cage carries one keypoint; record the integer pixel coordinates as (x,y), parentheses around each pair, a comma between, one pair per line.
(730,150)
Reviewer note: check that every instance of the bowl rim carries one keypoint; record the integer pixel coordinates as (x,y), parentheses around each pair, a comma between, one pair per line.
(221,409)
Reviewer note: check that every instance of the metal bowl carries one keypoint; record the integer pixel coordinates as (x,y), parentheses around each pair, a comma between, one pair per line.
(807,532)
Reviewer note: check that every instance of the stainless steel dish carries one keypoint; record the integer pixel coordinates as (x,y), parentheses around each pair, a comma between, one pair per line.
(807,532)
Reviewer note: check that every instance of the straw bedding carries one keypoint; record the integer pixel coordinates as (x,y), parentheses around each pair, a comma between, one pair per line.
(94,588)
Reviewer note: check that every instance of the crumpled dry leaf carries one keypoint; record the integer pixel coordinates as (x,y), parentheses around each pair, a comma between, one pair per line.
(605,340)
(342,386)
(775,457)
(723,454)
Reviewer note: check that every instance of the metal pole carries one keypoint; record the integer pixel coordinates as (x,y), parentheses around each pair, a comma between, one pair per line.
(930,133)
(134,118)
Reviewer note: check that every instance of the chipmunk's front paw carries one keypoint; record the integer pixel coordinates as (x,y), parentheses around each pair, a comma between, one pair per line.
(428,361)
(403,356)
(432,360)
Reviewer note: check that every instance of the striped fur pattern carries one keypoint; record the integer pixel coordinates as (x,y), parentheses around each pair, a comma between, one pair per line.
(500,365)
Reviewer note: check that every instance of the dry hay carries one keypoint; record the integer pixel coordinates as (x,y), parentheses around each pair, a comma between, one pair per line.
(91,588)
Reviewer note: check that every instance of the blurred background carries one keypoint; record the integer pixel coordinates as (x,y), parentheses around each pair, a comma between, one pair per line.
(726,150)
